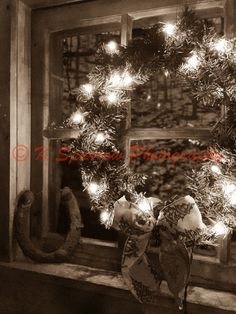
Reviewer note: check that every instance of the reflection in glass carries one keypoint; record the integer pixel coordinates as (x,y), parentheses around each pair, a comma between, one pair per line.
(165,102)
(167,164)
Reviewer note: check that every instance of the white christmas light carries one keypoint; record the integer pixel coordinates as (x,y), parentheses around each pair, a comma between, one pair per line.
(127,80)
(104,217)
(144,205)
(169,29)
(100,138)
(118,80)
(223,160)
(192,63)
(93,188)
(220,229)
(77,117)
(112,97)
(88,89)
(166,73)
(194,142)
(115,79)
(112,47)
(216,169)
(221,45)
(229,190)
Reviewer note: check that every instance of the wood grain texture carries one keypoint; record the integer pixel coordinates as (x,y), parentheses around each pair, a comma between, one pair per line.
(20,108)
(126,36)
(174,133)
(61,133)
(202,4)
(5,26)
(229,18)
(110,284)
(88,14)
(40,4)
(224,248)
(138,133)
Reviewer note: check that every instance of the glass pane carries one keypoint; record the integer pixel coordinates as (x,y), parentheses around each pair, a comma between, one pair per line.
(66,173)
(167,164)
(78,60)
(92,228)
(165,102)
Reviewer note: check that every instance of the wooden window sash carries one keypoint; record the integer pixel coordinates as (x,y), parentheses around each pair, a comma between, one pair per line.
(215,7)
(138,133)
(142,133)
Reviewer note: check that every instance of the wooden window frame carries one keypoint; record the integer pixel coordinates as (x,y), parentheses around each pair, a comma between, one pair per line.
(32,29)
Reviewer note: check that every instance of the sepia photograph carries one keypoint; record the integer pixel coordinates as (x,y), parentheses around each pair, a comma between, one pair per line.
(118,156)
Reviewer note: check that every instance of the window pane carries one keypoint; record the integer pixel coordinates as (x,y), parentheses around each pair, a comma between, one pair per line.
(164,101)
(66,173)
(92,228)
(78,59)
(167,163)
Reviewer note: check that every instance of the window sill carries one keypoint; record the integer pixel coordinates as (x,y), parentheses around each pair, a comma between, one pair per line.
(111,283)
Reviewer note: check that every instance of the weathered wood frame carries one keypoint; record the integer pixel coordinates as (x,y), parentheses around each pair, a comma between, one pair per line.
(35,17)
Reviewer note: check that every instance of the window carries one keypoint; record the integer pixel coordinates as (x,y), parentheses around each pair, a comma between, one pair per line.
(49,28)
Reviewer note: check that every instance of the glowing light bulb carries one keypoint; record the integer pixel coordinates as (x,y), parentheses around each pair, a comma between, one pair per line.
(169,29)
(229,190)
(216,169)
(88,89)
(127,80)
(112,97)
(93,188)
(104,217)
(115,79)
(192,63)
(223,160)
(194,142)
(220,229)
(166,73)
(144,205)
(77,117)
(221,45)
(100,138)
(112,47)
(120,80)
